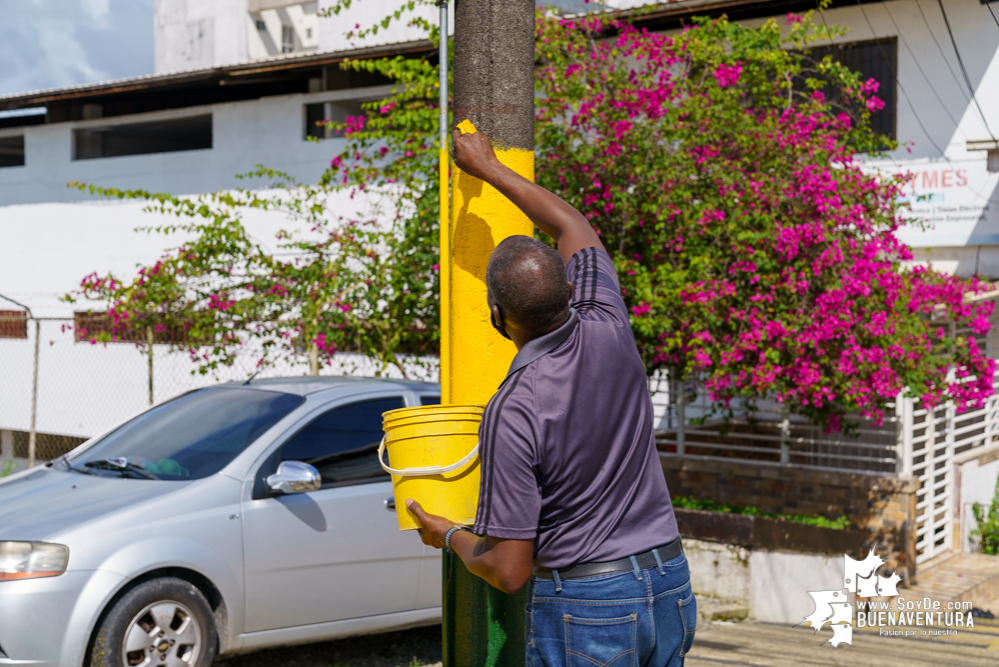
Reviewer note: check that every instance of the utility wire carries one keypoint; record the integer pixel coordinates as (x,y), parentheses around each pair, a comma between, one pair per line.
(899,83)
(964,71)
(943,57)
(992,12)
(905,43)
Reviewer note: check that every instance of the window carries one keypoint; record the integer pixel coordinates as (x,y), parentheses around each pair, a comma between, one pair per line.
(87,324)
(335,111)
(430,400)
(308,33)
(12,151)
(261,26)
(13,324)
(343,443)
(873,60)
(194,435)
(160,136)
(287,39)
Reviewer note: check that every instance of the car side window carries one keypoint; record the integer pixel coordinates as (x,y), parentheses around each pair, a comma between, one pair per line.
(343,443)
(430,400)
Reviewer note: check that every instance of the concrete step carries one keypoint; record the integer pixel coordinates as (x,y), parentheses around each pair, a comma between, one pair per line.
(962,577)
(710,608)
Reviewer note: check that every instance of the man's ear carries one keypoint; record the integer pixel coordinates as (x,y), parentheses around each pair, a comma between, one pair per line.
(494,312)
(572,290)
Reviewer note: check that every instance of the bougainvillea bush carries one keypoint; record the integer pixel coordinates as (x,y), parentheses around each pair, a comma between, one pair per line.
(719,166)
(329,282)
(754,252)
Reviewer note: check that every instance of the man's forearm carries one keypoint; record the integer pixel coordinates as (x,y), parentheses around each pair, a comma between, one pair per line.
(503,565)
(547,211)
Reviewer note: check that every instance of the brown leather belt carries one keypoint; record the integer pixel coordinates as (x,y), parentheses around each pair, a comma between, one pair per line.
(646,560)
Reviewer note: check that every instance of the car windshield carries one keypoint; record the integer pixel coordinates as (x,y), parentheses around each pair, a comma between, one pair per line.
(189,437)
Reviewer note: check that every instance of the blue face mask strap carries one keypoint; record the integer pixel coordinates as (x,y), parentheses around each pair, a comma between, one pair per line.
(659,561)
(638,571)
(558,581)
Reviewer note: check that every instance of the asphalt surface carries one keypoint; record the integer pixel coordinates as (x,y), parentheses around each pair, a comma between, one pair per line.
(718,644)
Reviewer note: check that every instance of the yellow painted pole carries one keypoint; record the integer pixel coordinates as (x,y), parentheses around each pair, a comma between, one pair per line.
(494,89)
(476,358)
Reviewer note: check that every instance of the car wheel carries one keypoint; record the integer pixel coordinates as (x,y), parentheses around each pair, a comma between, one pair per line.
(160,623)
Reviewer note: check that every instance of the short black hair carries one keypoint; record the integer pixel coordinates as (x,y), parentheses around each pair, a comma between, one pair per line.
(526,279)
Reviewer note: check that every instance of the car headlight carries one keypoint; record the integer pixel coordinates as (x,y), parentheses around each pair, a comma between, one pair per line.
(31,560)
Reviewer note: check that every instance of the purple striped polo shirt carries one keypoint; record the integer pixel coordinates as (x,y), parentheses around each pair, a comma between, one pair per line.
(567,444)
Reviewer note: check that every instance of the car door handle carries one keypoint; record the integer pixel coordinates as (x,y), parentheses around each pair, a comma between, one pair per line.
(390,503)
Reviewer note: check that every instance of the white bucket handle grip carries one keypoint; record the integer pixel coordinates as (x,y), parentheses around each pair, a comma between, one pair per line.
(426,470)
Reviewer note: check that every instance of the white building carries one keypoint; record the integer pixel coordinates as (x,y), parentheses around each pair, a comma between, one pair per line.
(242,82)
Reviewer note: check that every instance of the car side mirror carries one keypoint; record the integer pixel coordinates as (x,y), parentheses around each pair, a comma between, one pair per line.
(294,477)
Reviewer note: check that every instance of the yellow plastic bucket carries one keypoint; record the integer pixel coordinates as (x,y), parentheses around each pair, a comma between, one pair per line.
(433,459)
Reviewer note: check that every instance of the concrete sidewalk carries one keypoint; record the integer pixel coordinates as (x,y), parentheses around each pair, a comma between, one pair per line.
(749,644)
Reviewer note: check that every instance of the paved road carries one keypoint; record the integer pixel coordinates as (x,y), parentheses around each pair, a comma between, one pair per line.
(745,644)
(765,645)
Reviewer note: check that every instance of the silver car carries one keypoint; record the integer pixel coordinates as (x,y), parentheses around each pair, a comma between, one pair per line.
(228,519)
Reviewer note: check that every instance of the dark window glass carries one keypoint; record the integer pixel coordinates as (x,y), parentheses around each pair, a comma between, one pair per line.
(315,114)
(873,60)
(12,151)
(430,400)
(343,443)
(194,435)
(162,136)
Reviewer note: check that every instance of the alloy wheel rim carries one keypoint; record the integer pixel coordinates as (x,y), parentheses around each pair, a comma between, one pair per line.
(163,634)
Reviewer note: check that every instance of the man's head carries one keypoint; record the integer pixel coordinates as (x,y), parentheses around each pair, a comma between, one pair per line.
(526,282)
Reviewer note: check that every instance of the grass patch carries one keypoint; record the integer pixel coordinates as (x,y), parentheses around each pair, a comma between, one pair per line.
(685,502)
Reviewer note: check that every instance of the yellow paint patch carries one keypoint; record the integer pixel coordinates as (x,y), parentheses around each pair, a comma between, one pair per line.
(474,357)
(467,127)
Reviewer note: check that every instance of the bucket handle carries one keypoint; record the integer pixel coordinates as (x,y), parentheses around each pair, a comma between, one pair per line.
(425,470)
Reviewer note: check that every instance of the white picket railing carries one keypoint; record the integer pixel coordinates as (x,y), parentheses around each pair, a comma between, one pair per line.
(912,442)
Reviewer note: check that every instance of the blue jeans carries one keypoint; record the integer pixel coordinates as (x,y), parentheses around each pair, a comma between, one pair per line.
(641,618)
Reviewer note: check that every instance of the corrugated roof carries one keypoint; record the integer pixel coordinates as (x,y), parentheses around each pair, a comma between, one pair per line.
(272,63)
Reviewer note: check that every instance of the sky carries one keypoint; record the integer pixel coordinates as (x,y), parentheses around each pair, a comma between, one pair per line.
(55,43)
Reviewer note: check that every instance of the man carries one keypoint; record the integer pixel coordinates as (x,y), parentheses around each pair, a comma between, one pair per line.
(572,491)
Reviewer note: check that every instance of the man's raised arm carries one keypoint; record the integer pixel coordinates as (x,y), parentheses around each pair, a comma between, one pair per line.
(572,232)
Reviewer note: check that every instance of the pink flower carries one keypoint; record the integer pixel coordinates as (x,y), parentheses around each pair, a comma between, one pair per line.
(728,75)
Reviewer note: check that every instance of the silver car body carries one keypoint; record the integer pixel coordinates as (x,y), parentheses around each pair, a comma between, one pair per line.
(282,570)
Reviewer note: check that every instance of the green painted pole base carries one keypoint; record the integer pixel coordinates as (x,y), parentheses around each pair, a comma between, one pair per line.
(483,627)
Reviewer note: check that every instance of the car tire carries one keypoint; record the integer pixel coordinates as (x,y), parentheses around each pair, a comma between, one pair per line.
(164,621)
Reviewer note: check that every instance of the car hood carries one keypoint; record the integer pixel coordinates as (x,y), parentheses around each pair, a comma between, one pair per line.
(41,503)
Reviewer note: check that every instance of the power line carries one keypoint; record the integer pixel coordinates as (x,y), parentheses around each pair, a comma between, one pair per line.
(905,43)
(899,83)
(992,12)
(967,79)
(943,56)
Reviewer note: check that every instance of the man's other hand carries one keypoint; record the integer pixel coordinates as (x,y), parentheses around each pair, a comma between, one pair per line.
(432,527)
(474,155)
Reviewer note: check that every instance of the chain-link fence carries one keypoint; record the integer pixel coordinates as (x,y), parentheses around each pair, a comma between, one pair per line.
(83,389)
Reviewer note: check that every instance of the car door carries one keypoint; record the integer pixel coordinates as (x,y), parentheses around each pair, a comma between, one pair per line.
(334,553)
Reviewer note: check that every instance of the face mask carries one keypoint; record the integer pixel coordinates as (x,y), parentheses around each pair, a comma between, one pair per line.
(499,327)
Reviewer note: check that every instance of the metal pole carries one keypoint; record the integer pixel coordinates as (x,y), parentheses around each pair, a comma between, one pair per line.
(149,351)
(32,436)
(34,379)
(444,165)
(681,418)
(494,89)
(785,432)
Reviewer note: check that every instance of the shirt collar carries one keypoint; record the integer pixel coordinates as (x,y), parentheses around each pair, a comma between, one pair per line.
(542,345)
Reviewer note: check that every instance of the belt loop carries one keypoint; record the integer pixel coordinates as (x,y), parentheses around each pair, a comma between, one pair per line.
(638,571)
(659,561)
(558,581)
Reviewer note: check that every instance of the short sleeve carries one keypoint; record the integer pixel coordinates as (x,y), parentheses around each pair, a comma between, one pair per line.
(597,293)
(509,493)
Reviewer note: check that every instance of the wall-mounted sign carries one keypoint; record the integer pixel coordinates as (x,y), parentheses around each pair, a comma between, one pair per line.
(957,201)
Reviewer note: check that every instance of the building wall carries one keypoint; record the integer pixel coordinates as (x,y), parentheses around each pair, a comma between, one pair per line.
(883,507)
